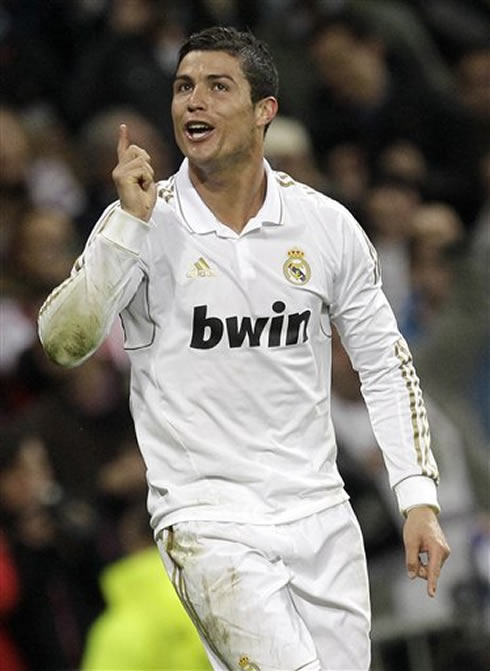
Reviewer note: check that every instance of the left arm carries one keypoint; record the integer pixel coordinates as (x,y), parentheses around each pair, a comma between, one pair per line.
(390,387)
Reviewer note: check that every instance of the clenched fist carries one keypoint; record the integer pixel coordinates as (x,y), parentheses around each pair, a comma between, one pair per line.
(134,178)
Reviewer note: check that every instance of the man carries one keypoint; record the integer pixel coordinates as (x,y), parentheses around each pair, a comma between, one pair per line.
(228,278)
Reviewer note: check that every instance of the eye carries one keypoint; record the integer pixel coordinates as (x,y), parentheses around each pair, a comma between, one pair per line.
(220,86)
(183,87)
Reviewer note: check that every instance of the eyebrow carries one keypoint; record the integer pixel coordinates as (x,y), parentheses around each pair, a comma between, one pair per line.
(211,77)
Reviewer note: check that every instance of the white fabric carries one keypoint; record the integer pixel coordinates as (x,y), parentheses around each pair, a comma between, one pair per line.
(275,598)
(230,352)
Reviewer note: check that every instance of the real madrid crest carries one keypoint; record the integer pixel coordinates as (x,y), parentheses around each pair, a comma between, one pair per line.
(296,268)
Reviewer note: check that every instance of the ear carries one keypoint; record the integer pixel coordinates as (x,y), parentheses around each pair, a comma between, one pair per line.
(265,110)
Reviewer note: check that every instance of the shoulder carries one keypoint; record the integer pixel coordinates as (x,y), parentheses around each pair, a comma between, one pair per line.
(312,202)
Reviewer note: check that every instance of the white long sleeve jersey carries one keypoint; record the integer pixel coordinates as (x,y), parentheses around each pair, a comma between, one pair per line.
(229,340)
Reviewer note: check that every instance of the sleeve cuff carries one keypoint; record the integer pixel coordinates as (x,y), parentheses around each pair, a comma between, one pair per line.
(125,230)
(416,491)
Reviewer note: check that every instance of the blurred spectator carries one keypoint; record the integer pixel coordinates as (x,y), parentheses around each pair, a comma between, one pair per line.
(436,229)
(51,536)
(408,39)
(393,120)
(455,25)
(98,138)
(472,76)
(361,97)
(92,422)
(126,67)
(404,161)
(284,25)
(36,169)
(388,210)
(144,626)
(120,482)
(123,478)
(395,600)
(15,157)
(480,255)
(473,81)
(29,64)
(455,357)
(453,360)
(243,14)
(10,656)
(288,148)
(42,249)
(53,177)
(349,176)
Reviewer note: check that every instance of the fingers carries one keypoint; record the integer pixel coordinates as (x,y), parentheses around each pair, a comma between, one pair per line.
(134,177)
(425,546)
(422,572)
(126,151)
(427,566)
(433,572)
(134,163)
(412,559)
(123,141)
(146,178)
(429,572)
(140,171)
(437,557)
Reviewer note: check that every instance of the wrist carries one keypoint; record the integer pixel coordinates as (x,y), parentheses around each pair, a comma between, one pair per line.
(126,230)
(140,214)
(422,507)
(415,491)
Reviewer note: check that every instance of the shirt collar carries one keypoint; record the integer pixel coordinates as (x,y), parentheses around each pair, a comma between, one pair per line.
(199,218)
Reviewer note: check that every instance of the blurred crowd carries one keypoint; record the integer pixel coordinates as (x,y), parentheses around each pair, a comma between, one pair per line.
(385,106)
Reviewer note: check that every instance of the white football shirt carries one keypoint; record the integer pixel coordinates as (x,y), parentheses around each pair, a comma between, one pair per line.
(229,341)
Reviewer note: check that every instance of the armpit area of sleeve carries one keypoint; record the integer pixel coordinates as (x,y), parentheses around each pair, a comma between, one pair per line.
(125,230)
(418,490)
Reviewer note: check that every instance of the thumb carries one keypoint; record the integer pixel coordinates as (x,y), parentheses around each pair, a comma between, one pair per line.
(123,141)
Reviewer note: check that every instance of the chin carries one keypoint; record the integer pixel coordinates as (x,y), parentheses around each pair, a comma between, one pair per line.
(196,151)
(201,160)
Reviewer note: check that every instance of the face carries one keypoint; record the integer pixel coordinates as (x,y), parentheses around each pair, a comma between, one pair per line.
(46,248)
(352,68)
(14,150)
(25,482)
(215,122)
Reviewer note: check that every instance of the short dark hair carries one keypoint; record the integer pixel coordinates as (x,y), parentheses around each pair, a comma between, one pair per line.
(254,55)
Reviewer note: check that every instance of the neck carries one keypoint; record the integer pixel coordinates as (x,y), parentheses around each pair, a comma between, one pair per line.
(234,195)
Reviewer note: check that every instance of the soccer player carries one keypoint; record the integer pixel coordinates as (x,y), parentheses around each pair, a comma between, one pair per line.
(229,278)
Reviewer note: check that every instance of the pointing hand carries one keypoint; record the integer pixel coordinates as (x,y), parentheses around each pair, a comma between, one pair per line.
(134,177)
(423,536)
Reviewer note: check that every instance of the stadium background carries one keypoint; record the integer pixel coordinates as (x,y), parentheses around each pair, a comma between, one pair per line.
(384,105)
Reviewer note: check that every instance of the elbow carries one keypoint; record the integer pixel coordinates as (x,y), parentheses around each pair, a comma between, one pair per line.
(69,347)
(61,355)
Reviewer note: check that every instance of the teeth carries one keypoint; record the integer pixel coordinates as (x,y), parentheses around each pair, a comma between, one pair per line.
(198,127)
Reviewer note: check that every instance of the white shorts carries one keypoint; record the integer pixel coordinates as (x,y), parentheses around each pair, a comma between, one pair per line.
(275,597)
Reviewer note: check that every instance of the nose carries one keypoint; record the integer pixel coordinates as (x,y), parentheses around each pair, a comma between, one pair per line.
(197,99)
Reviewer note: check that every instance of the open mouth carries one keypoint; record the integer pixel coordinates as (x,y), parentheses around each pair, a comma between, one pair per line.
(198,130)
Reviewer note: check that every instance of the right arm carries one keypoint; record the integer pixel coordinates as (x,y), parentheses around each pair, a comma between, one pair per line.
(79,313)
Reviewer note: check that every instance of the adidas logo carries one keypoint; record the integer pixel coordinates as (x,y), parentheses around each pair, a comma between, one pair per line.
(201,268)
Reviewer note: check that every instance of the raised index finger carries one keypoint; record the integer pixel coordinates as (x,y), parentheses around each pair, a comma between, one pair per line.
(123,141)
